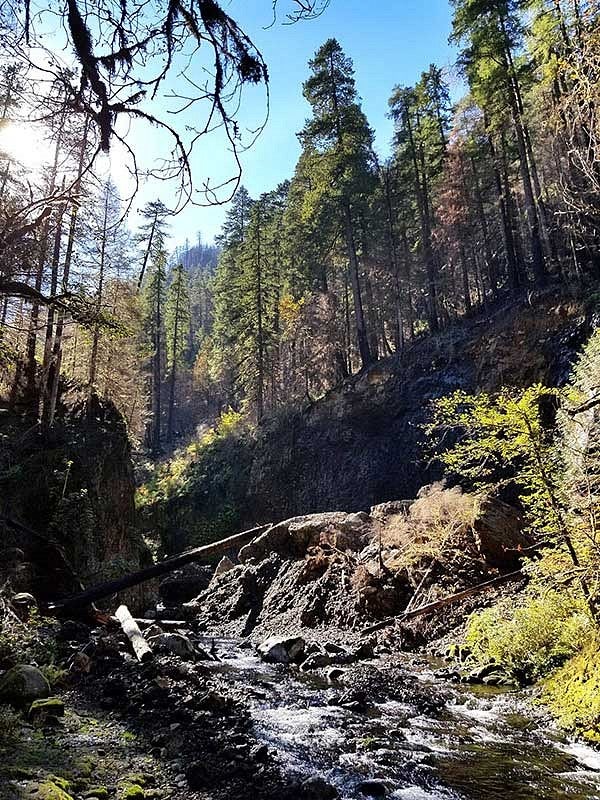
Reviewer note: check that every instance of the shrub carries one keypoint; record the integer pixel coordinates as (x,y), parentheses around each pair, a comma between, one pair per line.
(573,692)
(530,639)
(9,723)
(30,642)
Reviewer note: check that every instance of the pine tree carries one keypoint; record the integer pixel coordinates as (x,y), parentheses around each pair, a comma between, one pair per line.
(154,295)
(177,333)
(342,142)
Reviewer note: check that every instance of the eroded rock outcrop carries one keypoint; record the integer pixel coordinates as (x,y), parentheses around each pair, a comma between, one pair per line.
(339,569)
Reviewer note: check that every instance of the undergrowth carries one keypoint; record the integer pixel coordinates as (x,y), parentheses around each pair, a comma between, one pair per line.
(532,637)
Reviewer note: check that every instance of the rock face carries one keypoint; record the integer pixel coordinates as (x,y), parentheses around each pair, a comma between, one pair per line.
(23,684)
(498,528)
(346,569)
(79,485)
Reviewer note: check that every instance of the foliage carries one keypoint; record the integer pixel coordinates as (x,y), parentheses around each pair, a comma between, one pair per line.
(30,642)
(532,637)
(10,722)
(572,692)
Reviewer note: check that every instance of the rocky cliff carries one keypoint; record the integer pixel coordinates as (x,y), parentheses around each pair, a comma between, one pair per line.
(67,502)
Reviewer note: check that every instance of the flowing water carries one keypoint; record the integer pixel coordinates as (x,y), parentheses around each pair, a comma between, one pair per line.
(467,744)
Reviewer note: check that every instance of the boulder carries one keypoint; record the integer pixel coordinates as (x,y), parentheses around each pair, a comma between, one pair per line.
(292,537)
(175,643)
(46,707)
(373,788)
(23,684)
(316,661)
(224,565)
(282,650)
(499,533)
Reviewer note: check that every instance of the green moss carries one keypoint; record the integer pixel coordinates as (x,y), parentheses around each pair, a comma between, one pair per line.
(50,706)
(52,789)
(99,792)
(573,692)
(131,791)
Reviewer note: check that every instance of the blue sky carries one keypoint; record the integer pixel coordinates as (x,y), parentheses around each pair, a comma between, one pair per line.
(389,41)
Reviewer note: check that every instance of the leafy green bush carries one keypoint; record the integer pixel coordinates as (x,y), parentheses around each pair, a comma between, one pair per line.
(532,638)
(573,692)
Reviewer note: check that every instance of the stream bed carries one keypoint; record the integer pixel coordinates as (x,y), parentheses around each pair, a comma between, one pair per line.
(415,736)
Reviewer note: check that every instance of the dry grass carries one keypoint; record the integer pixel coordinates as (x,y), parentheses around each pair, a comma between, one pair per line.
(438,521)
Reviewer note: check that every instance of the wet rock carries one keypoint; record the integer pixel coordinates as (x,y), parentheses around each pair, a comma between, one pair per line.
(46,707)
(490,675)
(335,675)
(317,788)
(259,753)
(373,788)
(23,684)
(457,652)
(175,643)
(316,661)
(282,650)
(23,603)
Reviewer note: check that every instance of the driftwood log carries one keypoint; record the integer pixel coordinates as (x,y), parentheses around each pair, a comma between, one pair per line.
(140,646)
(442,602)
(109,588)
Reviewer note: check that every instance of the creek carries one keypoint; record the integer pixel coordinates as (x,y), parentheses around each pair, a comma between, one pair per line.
(417,737)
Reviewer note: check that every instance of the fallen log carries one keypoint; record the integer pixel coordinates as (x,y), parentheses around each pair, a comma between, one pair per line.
(140,646)
(162,568)
(444,601)
(167,624)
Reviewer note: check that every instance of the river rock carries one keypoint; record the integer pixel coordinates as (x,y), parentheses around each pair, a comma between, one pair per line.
(282,650)
(317,788)
(176,643)
(316,661)
(46,707)
(23,684)
(373,788)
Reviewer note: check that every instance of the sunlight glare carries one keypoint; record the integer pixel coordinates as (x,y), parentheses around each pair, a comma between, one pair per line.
(23,143)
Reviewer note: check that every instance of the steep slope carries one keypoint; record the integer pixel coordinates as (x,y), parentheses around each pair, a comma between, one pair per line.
(362,443)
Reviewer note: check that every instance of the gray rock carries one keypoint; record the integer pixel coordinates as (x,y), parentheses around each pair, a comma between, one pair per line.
(316,661)
(23,684)
(224,565)
(335,675)
(176,643)
(281,649)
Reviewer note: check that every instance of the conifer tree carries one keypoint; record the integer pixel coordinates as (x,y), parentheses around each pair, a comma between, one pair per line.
(177,331)
(342,142)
